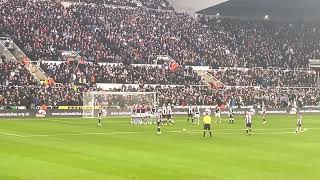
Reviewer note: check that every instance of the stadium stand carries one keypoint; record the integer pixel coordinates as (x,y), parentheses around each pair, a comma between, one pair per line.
(247,96)
(265,77)
(137,35)
(15,73)
(130,3)
(84,73)
(267,43)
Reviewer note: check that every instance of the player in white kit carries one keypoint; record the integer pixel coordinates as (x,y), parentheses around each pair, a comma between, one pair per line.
(190,114)
(164,115)
(231,115)
(170,115)
(197,115)
(248,122)
(299,123)
(218,114)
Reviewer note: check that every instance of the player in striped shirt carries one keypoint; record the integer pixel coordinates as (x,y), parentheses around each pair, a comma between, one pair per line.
(159,121)
(190,114)
(133,114)
(164,114)
(299,123)
(248,122)
(231,115)
(197,115)
(100,115)
(170,115)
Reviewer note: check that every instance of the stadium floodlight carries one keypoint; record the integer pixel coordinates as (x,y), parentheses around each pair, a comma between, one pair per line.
(114,103)
(266,17)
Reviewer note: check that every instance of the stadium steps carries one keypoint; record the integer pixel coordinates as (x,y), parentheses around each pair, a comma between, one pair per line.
(14,52)
(210,80)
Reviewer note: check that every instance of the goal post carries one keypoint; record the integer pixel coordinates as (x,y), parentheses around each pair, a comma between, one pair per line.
(115,103)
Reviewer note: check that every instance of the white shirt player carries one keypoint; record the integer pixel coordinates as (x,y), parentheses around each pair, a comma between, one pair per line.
(230,112)
(133,111)
(190,110)
(169,110)
(197,112)
(248,118)
(164,110)
(252,111)
(264,109)
(159,115)
(217,111)
(299,121)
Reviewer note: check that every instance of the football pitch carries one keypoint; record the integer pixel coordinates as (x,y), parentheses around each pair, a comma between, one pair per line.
(77,149)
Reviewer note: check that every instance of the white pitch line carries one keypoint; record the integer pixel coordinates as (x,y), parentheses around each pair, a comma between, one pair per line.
(94,133)
(85,121)
(12,134)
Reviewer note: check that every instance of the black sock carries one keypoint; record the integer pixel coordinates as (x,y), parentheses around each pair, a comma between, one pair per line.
(99,121)
(247,131)
(210,133)
(159,129)
(204,133)
(250,130)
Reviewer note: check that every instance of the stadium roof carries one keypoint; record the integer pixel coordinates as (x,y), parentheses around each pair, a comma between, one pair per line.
(278,10)
(191,7)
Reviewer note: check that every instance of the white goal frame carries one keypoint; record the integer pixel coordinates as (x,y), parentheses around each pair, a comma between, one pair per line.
(90,105)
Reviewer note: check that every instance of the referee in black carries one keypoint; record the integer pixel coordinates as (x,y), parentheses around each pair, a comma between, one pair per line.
(207,124)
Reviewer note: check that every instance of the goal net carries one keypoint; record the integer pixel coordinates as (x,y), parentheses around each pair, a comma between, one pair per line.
(114,103)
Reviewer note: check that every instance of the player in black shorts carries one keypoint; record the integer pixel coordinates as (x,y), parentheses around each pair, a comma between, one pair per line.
(231,115)
(100,115)
(159,121)
(190,114)
(248,122)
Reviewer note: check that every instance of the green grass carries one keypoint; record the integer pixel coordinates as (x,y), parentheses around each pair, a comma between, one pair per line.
(76,149)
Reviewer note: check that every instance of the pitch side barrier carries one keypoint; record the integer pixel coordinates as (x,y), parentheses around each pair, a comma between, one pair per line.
(78,112)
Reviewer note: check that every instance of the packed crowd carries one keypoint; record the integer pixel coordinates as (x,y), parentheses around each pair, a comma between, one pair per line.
(152,4)
(157,4)
(15,73)
(267,43)
(265,77)
(37,95)
(201,95)
(130,3)
(45,28)
(71,94)
(120,74)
